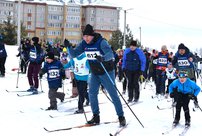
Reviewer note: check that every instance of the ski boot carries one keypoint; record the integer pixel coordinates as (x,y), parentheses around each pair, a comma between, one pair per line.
(95,120)
(187,123)
(175,122)
(122,121)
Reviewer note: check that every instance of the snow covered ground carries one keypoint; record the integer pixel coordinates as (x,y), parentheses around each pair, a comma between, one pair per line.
(23,116)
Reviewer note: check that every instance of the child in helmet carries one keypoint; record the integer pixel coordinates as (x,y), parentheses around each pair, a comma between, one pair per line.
(186,90)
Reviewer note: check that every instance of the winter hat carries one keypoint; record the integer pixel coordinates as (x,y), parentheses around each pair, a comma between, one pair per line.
(50,55)
(133,43)
(181,46)
(164,48)
(88,30)
(64,50)
(35,39)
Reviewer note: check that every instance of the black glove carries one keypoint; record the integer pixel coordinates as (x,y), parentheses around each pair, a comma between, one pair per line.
(63,77)
(41,74)
(191,96)
(171,95)
(99,58)
(66,43)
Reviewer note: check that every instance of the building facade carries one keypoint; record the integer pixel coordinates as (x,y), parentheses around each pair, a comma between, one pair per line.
(53,20)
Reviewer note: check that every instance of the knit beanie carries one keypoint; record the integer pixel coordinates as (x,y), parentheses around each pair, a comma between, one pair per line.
(35,39)
(181,46)
(50,55)
(88,30)
(133,43)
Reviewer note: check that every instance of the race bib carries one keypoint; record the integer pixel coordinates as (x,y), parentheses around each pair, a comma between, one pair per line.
(91,54)
(54,73)
(183,63)
(163,60)
(32,55)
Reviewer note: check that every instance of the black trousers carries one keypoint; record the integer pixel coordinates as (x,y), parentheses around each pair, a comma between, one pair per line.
(133,85)
(182,101)
(82,91)
(2,65)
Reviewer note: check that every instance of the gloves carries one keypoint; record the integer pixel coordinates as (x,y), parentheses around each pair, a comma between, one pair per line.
(63,77)
(141,78)
(196,104)
(66,43)
(99,58)
(40,74)
(171,95)
(191,96)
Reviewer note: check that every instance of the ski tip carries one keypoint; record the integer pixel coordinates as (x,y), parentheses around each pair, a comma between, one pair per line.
(51,116)
(110,134)
(45,129)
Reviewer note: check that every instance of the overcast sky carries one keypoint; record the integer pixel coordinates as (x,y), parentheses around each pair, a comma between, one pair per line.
(168,22)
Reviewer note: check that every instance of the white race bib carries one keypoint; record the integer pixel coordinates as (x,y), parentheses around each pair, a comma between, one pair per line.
(33,55)
(183,63)
(163,60)
(54,73)
(91,54)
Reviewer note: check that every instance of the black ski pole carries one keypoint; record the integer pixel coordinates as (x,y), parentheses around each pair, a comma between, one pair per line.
(84,113)
(120,93)
(106,95)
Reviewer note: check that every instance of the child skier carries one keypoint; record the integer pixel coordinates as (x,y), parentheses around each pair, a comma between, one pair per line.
(55,74)
(171,76)
(186,90)
(81,73)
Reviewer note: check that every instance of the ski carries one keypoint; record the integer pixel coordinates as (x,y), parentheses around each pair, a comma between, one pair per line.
(132,103)
(184,131)
(28,94)
(170,130)
(163,108)
(119,130)
(51,116)
(15,91)
(79,126)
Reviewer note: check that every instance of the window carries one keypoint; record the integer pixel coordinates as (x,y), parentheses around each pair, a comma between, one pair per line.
(29,11)
(29,27)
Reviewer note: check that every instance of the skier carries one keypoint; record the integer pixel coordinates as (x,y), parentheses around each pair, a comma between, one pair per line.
(24,56)
(3,56)
(98,51)
(186,90)
(81,72)
(162,61)
(55,73)
(134,62)
(171,75)
(36,57)
(183,60)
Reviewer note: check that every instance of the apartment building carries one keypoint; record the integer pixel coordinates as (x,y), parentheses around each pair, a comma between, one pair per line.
(60,19)
(6,10)
(103,16)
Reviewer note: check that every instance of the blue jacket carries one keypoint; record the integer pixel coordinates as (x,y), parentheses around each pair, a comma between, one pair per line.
(188,87)
(54,72)
(71,63)
(134,60)
(36,54)
(3,52)
(98,46)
